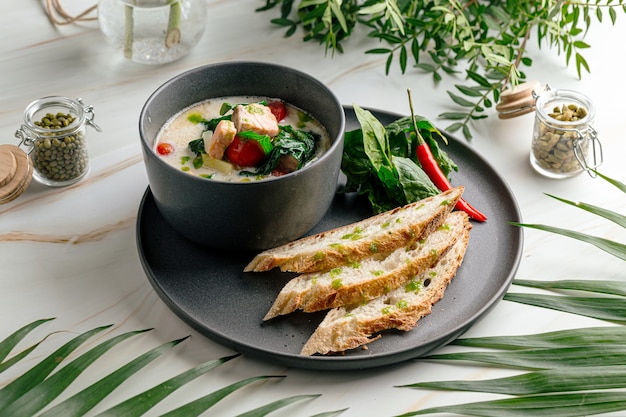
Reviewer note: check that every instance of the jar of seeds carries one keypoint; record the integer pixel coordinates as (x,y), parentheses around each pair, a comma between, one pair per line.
(54,134)
(564,142)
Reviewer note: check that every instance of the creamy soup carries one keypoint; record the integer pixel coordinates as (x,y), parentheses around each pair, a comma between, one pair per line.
(241,138)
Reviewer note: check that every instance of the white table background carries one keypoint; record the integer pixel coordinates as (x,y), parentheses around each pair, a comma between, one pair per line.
(70,253)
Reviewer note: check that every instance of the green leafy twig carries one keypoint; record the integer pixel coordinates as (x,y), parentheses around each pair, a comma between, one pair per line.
(488,38)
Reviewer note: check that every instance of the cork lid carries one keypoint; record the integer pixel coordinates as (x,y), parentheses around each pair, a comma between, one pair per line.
(517,101)
(16,172)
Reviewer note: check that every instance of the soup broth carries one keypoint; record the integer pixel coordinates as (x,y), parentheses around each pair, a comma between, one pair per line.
(183,141)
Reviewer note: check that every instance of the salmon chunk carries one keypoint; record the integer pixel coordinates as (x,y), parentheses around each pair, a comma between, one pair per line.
(222,137)
(255,117)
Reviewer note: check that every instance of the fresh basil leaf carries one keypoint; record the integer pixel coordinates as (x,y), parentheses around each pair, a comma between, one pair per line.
(375,142)
(414,182)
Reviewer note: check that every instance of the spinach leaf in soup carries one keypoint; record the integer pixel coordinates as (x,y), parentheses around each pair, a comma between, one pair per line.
(290,142)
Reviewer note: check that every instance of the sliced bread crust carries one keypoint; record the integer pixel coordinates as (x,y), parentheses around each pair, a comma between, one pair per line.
(377,235)
(358,282)
(346,328)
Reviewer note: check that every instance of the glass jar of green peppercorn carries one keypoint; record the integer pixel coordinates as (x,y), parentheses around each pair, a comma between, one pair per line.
(564,142)
(54,134)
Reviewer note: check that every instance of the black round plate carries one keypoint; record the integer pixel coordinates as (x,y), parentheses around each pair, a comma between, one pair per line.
(208,289)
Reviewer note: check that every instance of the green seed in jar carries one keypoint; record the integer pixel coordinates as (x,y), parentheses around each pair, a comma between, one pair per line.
(60,155)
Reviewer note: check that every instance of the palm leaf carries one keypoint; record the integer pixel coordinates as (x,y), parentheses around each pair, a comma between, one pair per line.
(39,372)
(330,413)
(618,184)
(607,245)
(550,405)
(141,403)
(545,358)
(614,248)
(8,344)
(273,406)
(199,406)
(596,286)
(613,335)
(85,400)
(616,218)
(603,308)
(576,360)
(566,379)
(38,386)
(45,392)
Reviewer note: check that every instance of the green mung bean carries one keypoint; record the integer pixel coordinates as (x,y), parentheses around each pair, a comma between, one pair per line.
(60,155)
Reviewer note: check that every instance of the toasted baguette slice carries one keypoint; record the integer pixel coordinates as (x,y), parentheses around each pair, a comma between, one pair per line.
(372,277)
(380,234)
(347,328)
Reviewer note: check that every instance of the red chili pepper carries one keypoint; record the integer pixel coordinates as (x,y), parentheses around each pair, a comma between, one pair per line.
(432,169)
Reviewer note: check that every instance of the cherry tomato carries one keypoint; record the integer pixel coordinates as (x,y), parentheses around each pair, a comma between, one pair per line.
(164,148)
(245,152)
(278,109)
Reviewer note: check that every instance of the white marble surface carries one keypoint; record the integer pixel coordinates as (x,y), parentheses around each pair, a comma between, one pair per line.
(70,253)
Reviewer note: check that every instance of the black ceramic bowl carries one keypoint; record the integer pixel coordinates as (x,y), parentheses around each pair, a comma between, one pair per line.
(243,215)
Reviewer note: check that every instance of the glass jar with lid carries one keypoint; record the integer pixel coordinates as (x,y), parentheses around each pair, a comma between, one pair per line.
(54,135)
(564,142)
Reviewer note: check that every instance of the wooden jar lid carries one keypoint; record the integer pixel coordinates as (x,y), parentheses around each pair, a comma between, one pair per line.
(517,101)
(16,172)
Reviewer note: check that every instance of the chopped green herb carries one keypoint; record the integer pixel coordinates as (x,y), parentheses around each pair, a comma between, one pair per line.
(374,247)
(319,256)
(355,235)
(195,118)
(335,272)
(413,286)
